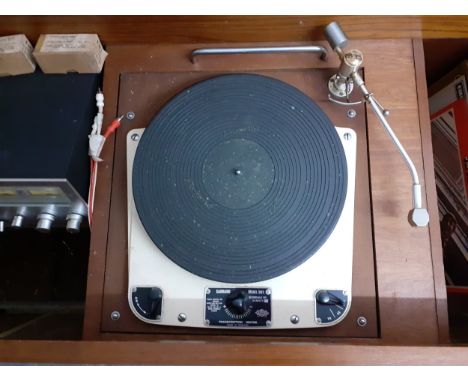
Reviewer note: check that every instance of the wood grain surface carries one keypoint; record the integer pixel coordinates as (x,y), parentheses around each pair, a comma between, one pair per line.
(224,352)
(403,254)
(431,194)
(219,29)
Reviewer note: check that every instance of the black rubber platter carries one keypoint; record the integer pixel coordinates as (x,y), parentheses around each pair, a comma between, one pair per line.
(240,178)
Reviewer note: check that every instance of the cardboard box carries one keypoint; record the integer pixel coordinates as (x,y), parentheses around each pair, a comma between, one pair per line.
(64,53)
(16,55)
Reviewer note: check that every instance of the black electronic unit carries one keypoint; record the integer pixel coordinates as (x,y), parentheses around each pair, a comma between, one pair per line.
(45,123)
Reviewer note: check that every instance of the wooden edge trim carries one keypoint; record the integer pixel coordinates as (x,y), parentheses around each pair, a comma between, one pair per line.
(216,353)
(431,193)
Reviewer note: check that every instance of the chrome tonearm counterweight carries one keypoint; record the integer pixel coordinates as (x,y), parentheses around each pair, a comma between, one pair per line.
(342,84)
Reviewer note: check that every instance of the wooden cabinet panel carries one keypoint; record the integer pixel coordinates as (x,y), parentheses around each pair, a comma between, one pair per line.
(189,29)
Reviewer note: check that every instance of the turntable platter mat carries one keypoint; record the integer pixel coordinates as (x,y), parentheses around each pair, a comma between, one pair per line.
(239,178)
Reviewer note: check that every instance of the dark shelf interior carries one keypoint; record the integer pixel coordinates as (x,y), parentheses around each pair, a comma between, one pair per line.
(42,283)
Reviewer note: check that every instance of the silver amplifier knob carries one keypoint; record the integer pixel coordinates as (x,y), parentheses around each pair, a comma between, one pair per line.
(17,221)
(74,222)
(44,222)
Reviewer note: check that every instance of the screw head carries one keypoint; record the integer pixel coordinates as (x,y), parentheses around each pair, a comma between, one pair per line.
(351,113)
(207,322)
(135,137)
(182,317)
(294,319)
(268,292)
(362,321)
(115,315)
(347,136)
(208,291)
(268,323)
(130,115)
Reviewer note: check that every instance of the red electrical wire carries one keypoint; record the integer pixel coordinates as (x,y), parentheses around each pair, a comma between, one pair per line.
(112,127)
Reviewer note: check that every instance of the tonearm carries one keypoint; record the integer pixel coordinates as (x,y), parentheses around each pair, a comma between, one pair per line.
(342,84)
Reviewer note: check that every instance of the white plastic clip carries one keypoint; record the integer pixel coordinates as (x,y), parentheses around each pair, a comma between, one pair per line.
(96,140)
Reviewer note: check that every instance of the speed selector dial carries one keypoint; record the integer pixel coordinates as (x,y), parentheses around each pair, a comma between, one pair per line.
(331,305)
(237,303)
(147,302)
(328,298)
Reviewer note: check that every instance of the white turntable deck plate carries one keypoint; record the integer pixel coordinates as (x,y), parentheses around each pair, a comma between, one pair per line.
(293,294)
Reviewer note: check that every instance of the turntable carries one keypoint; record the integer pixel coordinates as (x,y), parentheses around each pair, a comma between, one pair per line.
(240,209)
(260,138)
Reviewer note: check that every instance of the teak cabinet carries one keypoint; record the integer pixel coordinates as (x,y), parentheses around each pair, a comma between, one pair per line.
(405,289)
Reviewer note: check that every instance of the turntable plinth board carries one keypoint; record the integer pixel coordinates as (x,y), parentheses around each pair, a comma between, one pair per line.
(407,265)
(158,88)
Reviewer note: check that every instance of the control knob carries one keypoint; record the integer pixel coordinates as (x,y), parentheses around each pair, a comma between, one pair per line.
(147,301)
(330,305)
(17,221)
(237,303)
(155,299)
(73,222)
(327,298)
(44,222)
